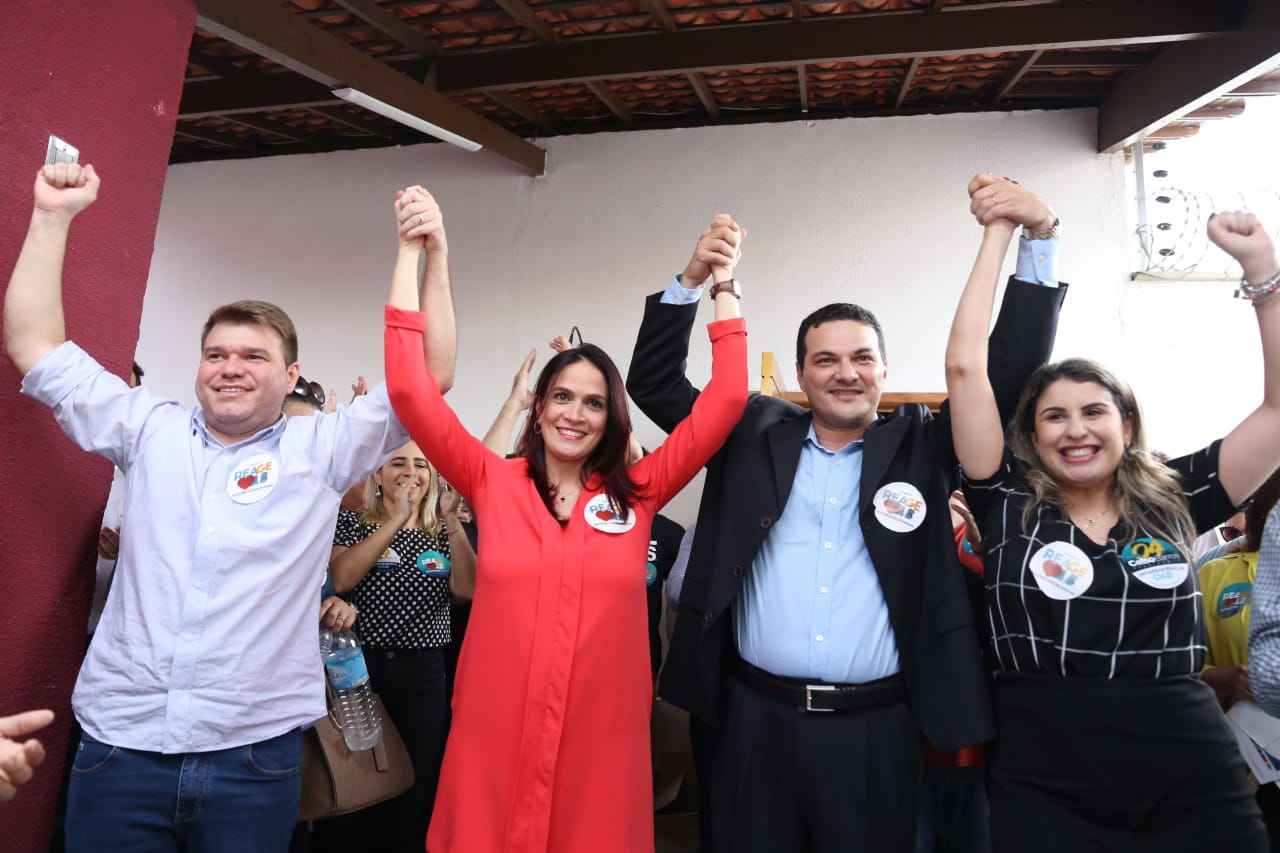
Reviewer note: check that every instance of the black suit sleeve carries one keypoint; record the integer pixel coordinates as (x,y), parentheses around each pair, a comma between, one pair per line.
(1022,339)
(1020,342)
(656,379)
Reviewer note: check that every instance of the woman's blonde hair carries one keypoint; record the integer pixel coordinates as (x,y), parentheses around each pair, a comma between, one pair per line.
(1148,494)
(428,519)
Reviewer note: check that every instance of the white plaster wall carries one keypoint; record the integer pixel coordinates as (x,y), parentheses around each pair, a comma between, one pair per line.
(865,210)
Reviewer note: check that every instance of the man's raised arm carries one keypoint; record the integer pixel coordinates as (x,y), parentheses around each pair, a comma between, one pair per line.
(33,318)
(656,378)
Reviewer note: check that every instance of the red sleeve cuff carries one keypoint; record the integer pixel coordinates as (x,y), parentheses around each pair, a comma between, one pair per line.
(718,329)
(399,318)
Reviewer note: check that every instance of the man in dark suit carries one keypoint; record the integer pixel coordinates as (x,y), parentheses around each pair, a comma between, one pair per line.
(824,625)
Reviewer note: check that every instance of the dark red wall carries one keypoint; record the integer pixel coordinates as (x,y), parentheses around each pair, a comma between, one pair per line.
(107,77)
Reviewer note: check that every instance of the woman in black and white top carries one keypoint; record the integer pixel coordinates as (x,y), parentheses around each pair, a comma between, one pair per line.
(1106,739)
(401,563)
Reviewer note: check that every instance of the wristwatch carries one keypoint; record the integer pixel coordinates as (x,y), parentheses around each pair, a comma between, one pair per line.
(1041,233)
(730,286)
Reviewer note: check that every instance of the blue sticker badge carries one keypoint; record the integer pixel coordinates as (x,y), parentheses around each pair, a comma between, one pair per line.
(1233,598)
(650,574)
(1155,562)
(388,561)
(433,564)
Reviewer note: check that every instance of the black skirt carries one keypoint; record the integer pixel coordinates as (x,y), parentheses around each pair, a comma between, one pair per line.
(1082,765)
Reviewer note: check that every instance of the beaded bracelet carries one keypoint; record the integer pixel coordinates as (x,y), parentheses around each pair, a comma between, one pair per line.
(1262,292)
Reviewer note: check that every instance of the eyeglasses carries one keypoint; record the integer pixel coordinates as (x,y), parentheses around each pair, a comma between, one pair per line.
(310,391)
(1230,533)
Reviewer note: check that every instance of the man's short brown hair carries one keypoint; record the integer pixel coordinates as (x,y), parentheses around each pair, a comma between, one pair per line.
(251,312)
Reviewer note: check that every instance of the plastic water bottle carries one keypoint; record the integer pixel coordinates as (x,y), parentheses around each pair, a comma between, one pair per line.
(352,697)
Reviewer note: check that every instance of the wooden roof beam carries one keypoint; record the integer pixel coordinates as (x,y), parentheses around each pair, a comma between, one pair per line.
(705,94)
(661,14)
(266,124)
(291,41)
(523,108)
(217,137)
(1015,75)
(1110,60)
(355,119)
(1255,87)
(977,29)
(1185,77)
(386,21)
(213,64)
(907,76)
(610,99)
(251,94)
(521,13)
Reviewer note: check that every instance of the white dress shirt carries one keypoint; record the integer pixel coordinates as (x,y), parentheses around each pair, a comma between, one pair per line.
(209,638)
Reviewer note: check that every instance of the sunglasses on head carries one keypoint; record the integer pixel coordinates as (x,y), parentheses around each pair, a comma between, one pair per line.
(309,390)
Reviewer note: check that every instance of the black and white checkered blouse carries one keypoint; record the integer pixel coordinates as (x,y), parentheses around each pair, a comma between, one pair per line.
(1060,604)
(404,599)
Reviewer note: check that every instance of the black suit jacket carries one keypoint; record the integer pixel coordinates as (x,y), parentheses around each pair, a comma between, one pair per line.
(749,480)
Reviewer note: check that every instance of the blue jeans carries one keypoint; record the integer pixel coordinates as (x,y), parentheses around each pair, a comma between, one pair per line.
(243,799)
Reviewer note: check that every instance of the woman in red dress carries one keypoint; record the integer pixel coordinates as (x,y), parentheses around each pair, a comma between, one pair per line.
(549,749)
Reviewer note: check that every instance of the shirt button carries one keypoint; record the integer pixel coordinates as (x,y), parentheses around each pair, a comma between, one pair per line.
(839,461)
(826,545)
(190,638)
(819,638)
(822,589)
(209,529)
(834,501)
(737,571)
(766,522)
(1040,257)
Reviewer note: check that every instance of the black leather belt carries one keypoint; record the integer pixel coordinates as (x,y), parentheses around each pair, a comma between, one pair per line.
(822,697)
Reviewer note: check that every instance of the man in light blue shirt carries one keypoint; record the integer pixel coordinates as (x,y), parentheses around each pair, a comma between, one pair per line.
(823,623)
(205,665)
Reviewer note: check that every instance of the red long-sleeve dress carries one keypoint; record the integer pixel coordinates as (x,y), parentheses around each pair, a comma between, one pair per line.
(549,749)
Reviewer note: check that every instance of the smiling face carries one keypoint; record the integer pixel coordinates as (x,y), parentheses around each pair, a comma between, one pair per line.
(242,380)
(574,412)
(1080,433)
(842,375)
(407,464)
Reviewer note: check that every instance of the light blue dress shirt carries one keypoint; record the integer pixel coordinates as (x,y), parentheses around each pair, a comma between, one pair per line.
(209,637)
(812,606)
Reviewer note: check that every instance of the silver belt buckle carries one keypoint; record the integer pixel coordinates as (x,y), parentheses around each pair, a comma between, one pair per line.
(810,689)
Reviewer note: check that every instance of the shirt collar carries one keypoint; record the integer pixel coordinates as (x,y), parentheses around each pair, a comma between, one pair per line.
(811,440)
(199,427)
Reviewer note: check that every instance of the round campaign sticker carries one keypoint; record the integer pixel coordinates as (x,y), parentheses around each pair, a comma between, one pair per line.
(899,507)
(388,561)
(1155,562)
(1233,599)
(253,479)
(650,574)
(433,564)
(1062,571)
(604,516)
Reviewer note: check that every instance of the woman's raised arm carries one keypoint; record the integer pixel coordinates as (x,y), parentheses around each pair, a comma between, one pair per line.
(1252,450)
(976,430)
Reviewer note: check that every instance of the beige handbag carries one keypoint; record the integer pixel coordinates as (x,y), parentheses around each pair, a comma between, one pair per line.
(337,781)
